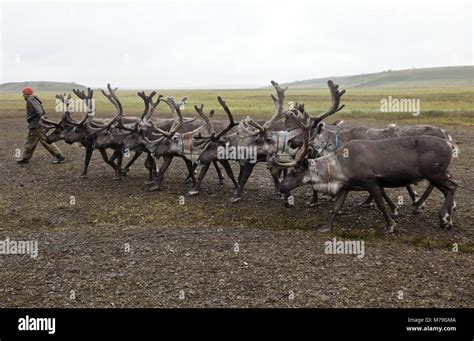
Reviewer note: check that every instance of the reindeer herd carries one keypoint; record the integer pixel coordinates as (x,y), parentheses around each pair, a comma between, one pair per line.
(297,147)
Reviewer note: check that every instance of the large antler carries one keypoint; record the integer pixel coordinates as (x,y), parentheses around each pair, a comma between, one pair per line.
(207,121)
(178,117)
(146,99)
(336,99)
(231,124)
(112,97)
(87,100)
(65,100)
(224,131)
(279,112)
(279,103)
(153,107)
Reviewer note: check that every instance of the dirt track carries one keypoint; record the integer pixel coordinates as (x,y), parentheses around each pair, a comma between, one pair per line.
(190,249)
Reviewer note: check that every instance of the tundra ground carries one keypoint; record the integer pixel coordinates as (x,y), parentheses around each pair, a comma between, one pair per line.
(212,253)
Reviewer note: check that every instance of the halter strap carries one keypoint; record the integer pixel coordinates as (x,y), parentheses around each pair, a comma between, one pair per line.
(190,145)
(328,163)
(285,137)
(337,139)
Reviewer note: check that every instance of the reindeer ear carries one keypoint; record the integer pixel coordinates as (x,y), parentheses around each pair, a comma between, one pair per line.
(319,128)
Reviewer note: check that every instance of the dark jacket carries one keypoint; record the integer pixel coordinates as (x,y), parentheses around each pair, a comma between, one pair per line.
(34,111)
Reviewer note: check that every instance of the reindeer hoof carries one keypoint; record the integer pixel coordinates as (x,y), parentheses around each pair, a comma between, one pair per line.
(446,222)
(324,229)
(388,229)
(154,188)
(289,205)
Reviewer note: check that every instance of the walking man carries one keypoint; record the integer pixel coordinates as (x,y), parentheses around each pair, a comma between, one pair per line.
(36,133)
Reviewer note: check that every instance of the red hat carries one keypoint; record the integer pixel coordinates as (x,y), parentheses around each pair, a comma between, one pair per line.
(28,90)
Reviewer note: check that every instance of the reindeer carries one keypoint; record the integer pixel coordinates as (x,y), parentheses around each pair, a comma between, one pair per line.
(372,165)
(328,140)
(181,142)
(280,136)
(89,129)
(67,125)
(143,131)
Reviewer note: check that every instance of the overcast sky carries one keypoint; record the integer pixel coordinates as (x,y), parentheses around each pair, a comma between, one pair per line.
(182,44)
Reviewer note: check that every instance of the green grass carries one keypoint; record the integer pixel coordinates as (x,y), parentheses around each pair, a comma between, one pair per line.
(443,106)
(451,76)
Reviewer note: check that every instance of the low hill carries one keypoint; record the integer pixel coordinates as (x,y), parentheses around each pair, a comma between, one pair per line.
(41,86)
(451,76)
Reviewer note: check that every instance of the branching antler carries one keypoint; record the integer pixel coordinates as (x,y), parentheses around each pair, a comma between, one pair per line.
(146,101)
(231,124)
(176,110)
(207,121)
(213,136)
(336,99)
(154,105)
(279,101)
(112,97)
(87,100)
(178,117)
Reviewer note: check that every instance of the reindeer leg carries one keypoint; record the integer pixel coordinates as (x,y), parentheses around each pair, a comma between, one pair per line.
(420,203)
(367,202)
(313,201)
(119,158)
(230,174)
(412,193)
(448,187)
(87,160)
(376,192)
(240,173)
(244,175)
(202,174)
(393,207)
(276,180)
(191,175)
(131,162)
(191,168)
(219,173)
(166,163)
(115,155)
(105,157)
(150,164)
(340,198)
